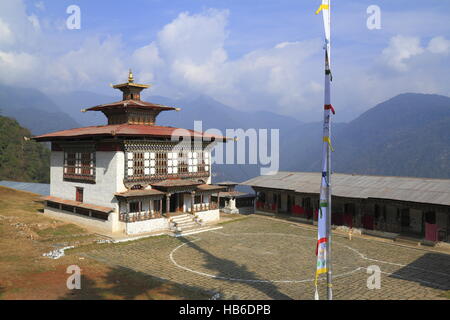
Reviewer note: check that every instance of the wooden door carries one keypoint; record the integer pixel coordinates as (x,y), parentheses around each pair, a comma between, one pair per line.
(79,194)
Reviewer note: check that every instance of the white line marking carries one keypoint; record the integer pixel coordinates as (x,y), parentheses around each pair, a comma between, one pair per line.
(305,280)
(249,280)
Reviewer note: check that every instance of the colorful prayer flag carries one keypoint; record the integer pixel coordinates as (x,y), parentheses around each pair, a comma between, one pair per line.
(323,236)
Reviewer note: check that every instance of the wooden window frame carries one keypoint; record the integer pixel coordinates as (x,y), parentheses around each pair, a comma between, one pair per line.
(79,166)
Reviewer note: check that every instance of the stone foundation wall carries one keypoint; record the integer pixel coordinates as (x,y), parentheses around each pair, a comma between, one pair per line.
(209,216)
(109,225)
(151,225)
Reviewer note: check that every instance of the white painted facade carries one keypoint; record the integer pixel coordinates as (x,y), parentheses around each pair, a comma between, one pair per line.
(109,177)
(151,225)
(208,216)
(110,225)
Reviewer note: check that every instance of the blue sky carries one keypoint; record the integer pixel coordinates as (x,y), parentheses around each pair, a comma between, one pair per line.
(249,54)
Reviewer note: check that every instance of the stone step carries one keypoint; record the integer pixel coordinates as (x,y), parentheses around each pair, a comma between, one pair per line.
(181,217)
(183,220)
(188,225)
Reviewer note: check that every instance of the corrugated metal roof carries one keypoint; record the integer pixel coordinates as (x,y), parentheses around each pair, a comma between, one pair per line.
(422,190)
(127,130)
(227,183)
(236,194)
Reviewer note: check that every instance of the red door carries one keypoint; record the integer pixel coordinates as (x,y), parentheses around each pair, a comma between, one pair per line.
(79,194)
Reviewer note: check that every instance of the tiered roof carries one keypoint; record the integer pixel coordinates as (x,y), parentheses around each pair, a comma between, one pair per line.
(130,117)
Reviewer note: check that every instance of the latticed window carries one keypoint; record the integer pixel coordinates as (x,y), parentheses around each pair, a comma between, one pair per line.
(205,161)
(152,164)
(192,162)
(182,163)
(149,163)
(79,166)
(161,163)
(172,163)
(138,163)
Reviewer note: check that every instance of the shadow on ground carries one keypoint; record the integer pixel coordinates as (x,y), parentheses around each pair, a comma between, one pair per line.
(229,269)
(127,284)
(430,270)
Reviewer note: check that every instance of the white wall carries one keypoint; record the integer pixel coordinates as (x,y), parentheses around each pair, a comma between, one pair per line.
(109,225)
(187,202)
(209,216)
(109,167)
(108,179)
(152,225)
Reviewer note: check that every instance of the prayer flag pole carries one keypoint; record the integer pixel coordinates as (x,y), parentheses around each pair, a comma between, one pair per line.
(323,248)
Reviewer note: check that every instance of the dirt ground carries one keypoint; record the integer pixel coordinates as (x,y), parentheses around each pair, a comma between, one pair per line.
(25,234)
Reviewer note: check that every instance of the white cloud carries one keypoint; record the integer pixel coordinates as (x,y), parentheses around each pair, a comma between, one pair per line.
(189,56)
(6,36)
(400,49)
(17,66)
(439,45)
(95,62)
(40,5)
(34,21)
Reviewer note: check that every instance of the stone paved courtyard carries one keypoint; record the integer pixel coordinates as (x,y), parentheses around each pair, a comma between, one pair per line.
(261,258)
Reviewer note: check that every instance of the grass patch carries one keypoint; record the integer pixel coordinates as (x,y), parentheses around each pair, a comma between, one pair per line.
(65,230)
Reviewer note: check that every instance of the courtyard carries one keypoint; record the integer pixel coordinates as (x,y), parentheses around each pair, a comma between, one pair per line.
(262,258)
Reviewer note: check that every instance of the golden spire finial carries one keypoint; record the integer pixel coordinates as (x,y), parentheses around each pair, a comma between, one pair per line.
(130,76)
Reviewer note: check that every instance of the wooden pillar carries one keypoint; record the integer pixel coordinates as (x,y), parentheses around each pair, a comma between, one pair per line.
(192,201)
(359,219)
(160,206)
(276,203)
(218,200)
(168,202)
(126,210)
(150,207)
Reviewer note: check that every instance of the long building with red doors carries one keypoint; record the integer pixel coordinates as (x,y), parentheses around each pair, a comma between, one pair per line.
(395,207)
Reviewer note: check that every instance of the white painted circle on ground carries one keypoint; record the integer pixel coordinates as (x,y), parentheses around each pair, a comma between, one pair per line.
(172,259)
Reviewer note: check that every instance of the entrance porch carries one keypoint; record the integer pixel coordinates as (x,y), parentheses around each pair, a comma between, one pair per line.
(147,210)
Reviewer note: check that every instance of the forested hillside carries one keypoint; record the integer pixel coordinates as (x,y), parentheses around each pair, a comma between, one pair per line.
(20,159)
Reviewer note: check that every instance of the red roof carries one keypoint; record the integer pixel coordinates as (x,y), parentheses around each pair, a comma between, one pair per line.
(135,104)
(139,193)
(127,130)
(176,183)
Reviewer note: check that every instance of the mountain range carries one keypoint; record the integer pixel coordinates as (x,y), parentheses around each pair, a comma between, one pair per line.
(407,135)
